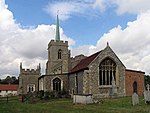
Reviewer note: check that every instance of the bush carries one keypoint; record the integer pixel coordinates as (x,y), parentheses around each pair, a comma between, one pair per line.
(52,95)
(41,94)
(46,95)
(64,94)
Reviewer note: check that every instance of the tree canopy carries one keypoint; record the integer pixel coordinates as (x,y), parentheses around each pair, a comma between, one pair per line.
(9,80)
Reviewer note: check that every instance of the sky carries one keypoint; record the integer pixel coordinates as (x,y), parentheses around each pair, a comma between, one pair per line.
(27,26)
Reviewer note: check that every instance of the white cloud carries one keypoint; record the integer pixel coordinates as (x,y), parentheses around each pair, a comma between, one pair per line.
(100,4)
(85,50)
(131,6)
(23,45)
(131,44)
(69,8)
(95,7)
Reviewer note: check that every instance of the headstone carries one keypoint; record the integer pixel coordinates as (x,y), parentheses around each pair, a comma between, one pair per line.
(135,99)
(148,87)
(147,94)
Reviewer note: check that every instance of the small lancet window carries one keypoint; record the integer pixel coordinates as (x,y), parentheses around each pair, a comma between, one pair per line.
(59,54)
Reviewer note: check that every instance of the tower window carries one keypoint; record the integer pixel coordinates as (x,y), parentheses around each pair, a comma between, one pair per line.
(59,54)
(107,70)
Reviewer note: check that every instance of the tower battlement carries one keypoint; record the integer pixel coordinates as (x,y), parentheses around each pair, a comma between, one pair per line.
(30,71)
(58,43)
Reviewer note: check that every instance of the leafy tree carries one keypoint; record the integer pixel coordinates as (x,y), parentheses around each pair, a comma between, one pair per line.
(9,80)
(147,79)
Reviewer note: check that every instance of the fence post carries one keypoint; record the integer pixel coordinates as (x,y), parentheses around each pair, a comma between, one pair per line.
(7,98)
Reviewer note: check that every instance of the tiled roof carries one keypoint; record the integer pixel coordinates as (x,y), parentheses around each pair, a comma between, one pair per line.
(8,87)
(83,64)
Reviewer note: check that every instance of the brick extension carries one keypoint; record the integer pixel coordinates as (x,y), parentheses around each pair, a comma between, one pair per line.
(130,77)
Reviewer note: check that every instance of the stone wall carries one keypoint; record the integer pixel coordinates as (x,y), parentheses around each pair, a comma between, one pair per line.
(132,76)
(28,77)
(103,91)
(54,64)
(46,81)
(80,82)
(74,61)
(76,82)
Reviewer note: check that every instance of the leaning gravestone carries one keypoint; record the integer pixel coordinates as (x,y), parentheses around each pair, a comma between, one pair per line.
(147,94)
(135,99)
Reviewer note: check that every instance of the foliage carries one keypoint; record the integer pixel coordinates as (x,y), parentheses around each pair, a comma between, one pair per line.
(9,80)
(147,79)
(121,105)
(41,94)
(46,95)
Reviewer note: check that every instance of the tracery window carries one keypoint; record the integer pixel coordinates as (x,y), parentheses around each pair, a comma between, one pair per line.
(59,54)
(57,85)
(107,70)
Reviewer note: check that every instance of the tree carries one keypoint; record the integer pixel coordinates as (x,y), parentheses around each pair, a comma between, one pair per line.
(10,80)
(147,79)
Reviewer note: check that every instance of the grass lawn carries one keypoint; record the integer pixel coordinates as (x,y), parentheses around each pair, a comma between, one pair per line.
(121,105)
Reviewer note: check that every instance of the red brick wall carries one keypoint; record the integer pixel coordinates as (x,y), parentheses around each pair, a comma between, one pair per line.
(130,77)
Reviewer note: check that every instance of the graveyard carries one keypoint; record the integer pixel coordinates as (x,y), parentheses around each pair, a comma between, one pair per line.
(109,105)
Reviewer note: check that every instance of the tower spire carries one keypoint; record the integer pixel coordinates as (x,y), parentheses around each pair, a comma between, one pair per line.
(57,37)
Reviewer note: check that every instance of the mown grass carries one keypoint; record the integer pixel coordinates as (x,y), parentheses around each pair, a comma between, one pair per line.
(121,105)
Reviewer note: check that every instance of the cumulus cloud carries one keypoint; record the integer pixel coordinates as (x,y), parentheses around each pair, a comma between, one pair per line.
(29,45)
(23,45)
(131,44)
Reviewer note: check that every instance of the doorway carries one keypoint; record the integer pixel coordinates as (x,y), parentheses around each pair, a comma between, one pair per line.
(135,87)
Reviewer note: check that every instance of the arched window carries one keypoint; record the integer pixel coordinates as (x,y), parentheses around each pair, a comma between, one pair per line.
(59,54)
(135,87)
(107,70)
(30,87)
(57,85)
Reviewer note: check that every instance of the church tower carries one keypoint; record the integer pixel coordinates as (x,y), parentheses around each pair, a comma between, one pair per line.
(58,55)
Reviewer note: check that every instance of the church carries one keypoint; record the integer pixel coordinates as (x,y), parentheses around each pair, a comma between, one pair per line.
(101,74)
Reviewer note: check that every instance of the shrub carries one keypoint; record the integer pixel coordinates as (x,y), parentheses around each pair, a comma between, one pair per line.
(46,95)
(41,94)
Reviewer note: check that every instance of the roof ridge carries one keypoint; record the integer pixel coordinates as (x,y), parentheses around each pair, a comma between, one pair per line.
(83,64)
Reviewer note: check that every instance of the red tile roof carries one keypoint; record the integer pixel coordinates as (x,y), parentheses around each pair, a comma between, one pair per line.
(8,87)
(83,64)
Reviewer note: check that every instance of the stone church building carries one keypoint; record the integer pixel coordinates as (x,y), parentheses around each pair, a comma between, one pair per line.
(100,74)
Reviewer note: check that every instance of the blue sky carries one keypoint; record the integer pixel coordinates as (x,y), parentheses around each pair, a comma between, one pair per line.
(83,28)
(27,26)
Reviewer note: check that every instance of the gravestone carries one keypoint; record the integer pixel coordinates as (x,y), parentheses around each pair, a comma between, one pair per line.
(147,94)
(148,87)
(135,99)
